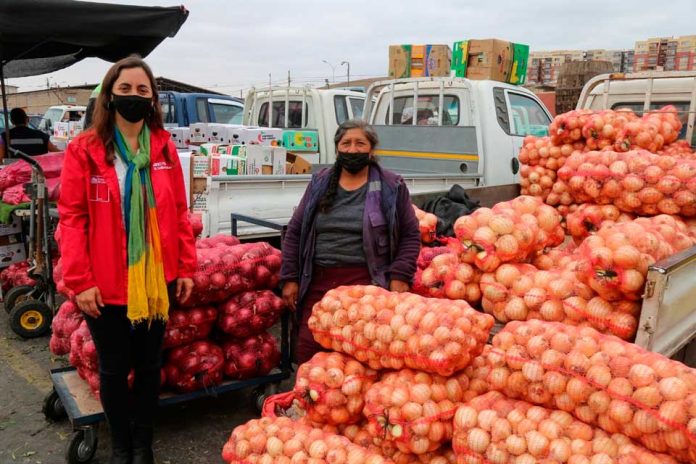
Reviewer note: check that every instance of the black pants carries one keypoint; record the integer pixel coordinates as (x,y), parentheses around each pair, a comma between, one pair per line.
(120,347)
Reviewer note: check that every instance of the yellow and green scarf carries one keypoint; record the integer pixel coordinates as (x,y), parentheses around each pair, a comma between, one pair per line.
(147,288)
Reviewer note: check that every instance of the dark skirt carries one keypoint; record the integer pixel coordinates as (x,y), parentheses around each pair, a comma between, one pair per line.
(323,280)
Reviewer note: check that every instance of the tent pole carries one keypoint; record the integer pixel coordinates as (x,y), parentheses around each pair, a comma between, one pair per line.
(5,110)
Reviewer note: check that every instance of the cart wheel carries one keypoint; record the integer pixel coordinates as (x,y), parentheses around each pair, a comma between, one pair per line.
(53,408)
(16,295)
(82,447)
(31,318)
(259,395)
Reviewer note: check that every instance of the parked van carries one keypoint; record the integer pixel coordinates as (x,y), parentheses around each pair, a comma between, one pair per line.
(644,91)
(183,109)
(61,113)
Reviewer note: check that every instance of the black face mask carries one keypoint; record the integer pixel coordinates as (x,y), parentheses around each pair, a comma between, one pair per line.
(353,162)
(133,108)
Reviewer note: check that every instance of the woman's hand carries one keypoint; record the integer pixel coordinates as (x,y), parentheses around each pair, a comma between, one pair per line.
(184,287)
(90,301)
(399,286)
(290,291)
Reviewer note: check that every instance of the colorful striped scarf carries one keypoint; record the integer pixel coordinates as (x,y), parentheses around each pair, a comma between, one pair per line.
(147,288)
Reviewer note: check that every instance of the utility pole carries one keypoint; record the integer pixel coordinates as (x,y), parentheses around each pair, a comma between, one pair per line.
(347,63)
(333,71)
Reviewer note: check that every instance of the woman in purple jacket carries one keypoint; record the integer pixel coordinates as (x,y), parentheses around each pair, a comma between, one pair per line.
(354,226)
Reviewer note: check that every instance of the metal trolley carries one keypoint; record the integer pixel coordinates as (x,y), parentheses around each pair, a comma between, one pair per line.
(31,308)
(72,398)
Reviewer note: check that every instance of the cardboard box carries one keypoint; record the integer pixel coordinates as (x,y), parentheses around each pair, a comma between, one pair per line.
(301,140)
(399,61)
(227,165)
(74,129)
(298,165)
(61,129)
(201,166)
(489,59)
(181,136)
(280,157)
(460,56)
(198,132)
(10,254)
(258,156)
(266,136)
(520,59)
(15,227)
(438,59)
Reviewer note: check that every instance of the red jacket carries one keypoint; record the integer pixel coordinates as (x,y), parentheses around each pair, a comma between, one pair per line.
(92,233)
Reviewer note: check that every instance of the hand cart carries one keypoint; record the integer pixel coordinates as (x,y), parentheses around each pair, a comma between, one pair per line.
(71,396)
(31,308)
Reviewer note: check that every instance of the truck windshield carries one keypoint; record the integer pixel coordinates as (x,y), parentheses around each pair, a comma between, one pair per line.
(227,114)
(428,107)
(294,114)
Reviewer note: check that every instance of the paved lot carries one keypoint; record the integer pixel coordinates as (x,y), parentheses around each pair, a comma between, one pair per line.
(189,433)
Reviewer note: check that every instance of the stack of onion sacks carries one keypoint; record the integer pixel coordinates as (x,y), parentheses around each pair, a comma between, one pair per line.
(496,429)
(414,409)
(331,387)
(389,330)
(282,440)
(602,380)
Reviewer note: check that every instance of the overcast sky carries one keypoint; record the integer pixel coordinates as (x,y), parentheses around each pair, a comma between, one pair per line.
(230,45)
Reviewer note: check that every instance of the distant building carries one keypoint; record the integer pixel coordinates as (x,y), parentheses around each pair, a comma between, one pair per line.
(38,101)
(666,53)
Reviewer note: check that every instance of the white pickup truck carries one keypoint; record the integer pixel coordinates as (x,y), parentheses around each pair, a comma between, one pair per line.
(465,132)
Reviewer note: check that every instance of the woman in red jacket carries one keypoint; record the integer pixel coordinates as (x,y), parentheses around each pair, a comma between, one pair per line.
(127,247)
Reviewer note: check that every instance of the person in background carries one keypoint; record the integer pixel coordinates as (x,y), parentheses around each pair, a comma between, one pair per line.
(127,247)
(354,226)
(22,137)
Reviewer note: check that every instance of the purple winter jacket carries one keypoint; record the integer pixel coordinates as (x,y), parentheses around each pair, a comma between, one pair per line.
(391,238)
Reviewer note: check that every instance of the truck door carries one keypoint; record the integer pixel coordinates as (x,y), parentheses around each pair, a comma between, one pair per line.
(520,115)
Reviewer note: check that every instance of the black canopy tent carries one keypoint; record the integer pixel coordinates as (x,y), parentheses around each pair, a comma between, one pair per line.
(41,36)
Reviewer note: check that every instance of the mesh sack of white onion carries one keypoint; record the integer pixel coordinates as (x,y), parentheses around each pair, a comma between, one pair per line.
(520,292)
(511,231)
(614,261)
(493,429)
(414,409)
(600,379)
(636,181)
(389,330)
(446,277)
(331,387)
(282,440)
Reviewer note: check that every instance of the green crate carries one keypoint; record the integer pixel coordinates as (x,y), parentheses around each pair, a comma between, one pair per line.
(460,56)
(520,58)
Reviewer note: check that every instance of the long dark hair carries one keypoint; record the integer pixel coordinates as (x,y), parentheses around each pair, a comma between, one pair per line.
(327,200)
(104,120)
